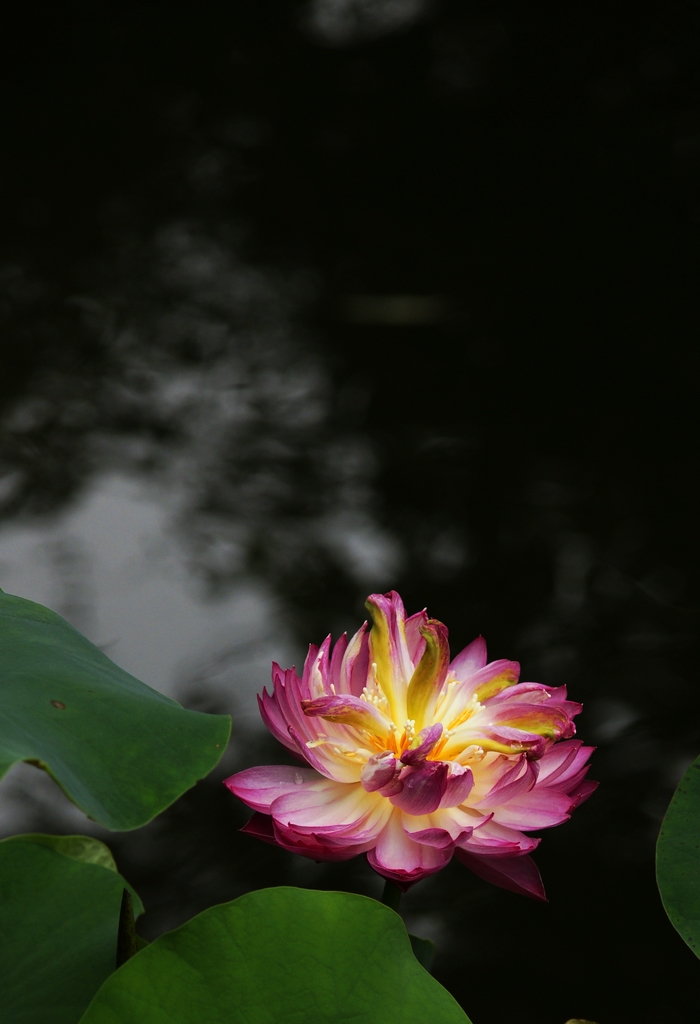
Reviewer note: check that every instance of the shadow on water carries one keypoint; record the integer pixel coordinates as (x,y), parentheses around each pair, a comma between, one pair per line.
(364,296)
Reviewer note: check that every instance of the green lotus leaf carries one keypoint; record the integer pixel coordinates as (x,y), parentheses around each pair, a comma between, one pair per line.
(84,848)
(423,950)
(119,750)
(678,858)
(59,917)
(279,956)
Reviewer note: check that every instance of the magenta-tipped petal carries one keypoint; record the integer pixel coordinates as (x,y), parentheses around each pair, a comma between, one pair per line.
(583,791)
(398,857)
(536,809)
(379,770)
(517,874)
(427,740)
(423,788)
(356,663)
(470,660)
(493,678)
(347,710)
(459,786)
(429,675)
(335,674)
(415,640)
(261,826)
(438,837)
(313,846)
(259,787)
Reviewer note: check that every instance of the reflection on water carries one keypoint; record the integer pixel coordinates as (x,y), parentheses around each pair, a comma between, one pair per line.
(208,387)
(111,566)
(337,318)
(340,22)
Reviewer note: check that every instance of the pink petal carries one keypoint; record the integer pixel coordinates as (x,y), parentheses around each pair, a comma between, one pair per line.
(260,826)
(315,678)
(388,614)
(423,788)
(531,721)
(428,739)
(460,822)
(549,720)
(557,695)
(521,778)
(517,874)
(497,738)
(389,651)
(429,674)
(258,787)
(573,769)
(530,693)
(459,785)
(392,787)
(414,640)
(316,847)
(288,696)
(355,667)
(470,660)
(330,805)
(347,710)
(492,772)
(582,792)
(311,657)
(492,678)
(335,675)
(442,828)
(540,808)
(378,771)
(329,821)
(326,762)
(491,839)
(334,836)
(555,764)
(437,837)
(273,719)
(398,857)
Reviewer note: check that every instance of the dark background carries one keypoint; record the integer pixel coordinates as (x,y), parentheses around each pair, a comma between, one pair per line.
(186,184)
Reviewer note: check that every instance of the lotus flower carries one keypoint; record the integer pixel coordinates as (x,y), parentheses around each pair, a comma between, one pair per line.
(411,758)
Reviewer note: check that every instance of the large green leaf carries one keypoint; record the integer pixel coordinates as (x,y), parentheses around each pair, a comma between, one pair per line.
(120,750)
(84,848)
(678,858)
(59,917)
(279,956)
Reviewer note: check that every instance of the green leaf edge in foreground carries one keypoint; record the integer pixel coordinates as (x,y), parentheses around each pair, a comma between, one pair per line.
(678,858)
(279,956)
(83,848)
(423,950)
(59,918)
(120,750)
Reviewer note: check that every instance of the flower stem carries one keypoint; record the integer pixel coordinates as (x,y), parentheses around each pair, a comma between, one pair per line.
(391,897)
